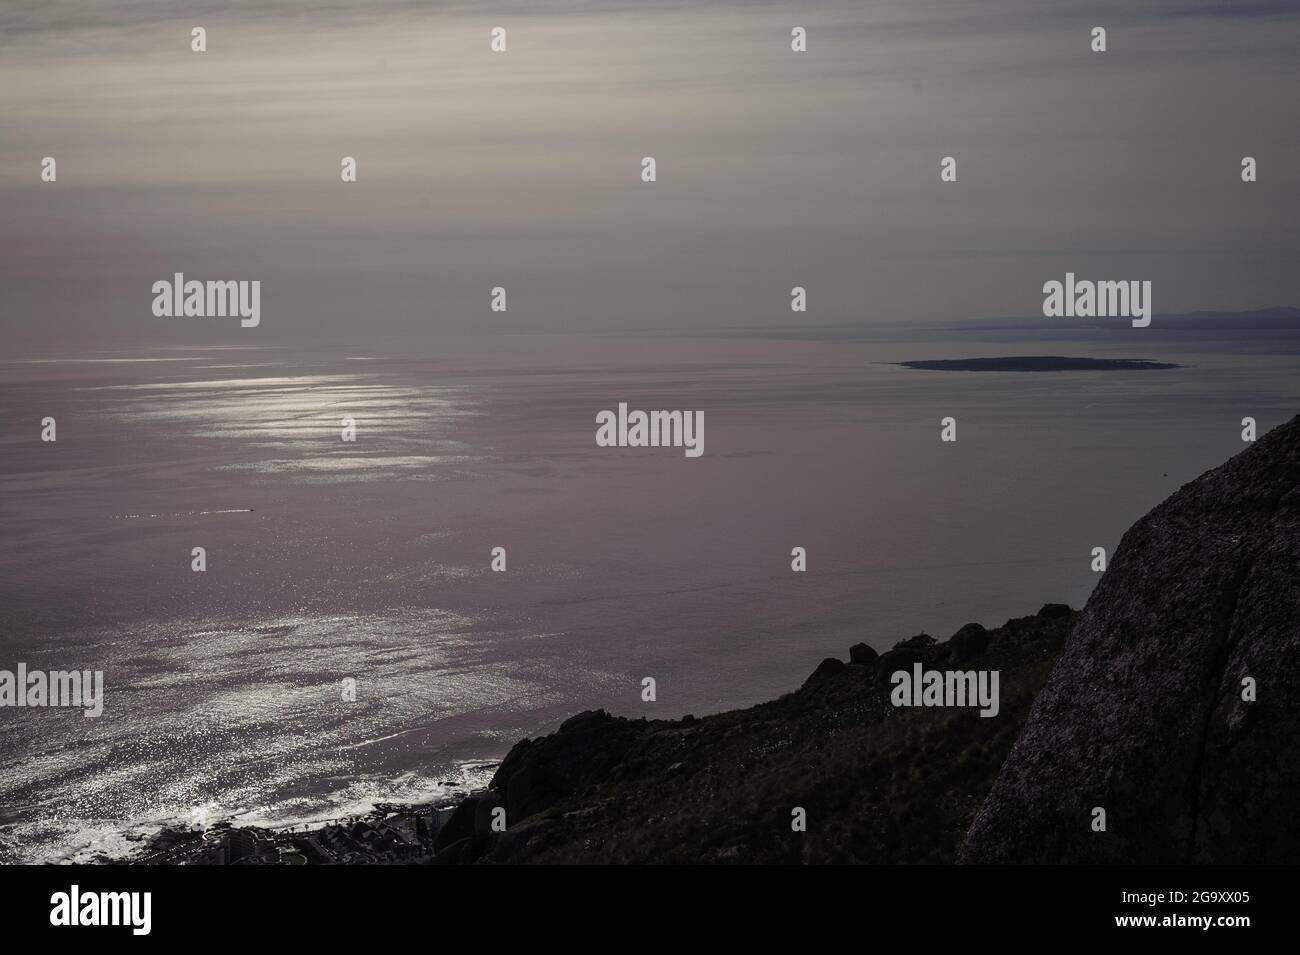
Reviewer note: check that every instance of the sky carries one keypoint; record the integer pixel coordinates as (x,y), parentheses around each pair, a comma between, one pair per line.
(522,169)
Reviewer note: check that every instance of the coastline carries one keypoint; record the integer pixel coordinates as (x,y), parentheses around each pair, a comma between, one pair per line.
(891,758)
(1037,363)
(556,791)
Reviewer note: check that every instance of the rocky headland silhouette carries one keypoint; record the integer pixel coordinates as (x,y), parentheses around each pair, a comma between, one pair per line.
(1171,702)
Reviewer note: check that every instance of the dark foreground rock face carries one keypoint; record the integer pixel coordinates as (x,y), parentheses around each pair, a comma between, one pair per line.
(1143,714)
(878,783)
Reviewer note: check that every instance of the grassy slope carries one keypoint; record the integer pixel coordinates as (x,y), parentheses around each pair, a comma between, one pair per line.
(880,784)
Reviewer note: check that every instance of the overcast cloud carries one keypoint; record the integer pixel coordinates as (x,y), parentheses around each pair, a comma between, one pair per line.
(522,170)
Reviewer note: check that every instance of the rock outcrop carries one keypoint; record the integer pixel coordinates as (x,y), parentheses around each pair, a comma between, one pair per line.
(863,655)
(720,789)
(970,641)
(1148,713)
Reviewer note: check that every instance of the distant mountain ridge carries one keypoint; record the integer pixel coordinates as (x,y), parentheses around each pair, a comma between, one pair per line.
(1263,319)
(1029,363)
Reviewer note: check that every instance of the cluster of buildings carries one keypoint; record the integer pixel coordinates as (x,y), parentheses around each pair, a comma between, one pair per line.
(390,836)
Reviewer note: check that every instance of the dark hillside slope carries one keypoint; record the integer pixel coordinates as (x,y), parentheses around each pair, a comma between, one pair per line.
(878,783)
(1144,714)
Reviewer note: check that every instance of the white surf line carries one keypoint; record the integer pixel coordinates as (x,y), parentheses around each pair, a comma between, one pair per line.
(231,510)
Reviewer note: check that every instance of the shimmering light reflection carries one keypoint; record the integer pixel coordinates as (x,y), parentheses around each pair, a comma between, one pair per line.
(301,417)
(250,721)
(324,557)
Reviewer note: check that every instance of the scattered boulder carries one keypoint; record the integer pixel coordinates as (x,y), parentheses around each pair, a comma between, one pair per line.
(915,643)
(969,642)
(615,790)
(905,657)
(827,668)
(863,655)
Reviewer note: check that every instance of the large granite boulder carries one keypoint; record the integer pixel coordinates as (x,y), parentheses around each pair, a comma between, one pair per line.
(1144,716)
(921,649)
(863,655)
(971,641)
(537,773)
(830,667)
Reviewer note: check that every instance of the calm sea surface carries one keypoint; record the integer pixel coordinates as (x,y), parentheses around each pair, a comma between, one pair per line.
(370,560)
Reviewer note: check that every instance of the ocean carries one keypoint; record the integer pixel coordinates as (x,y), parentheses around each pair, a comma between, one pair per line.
(369,560)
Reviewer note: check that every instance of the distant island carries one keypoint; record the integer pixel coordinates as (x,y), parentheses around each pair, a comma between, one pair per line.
(1038,363)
